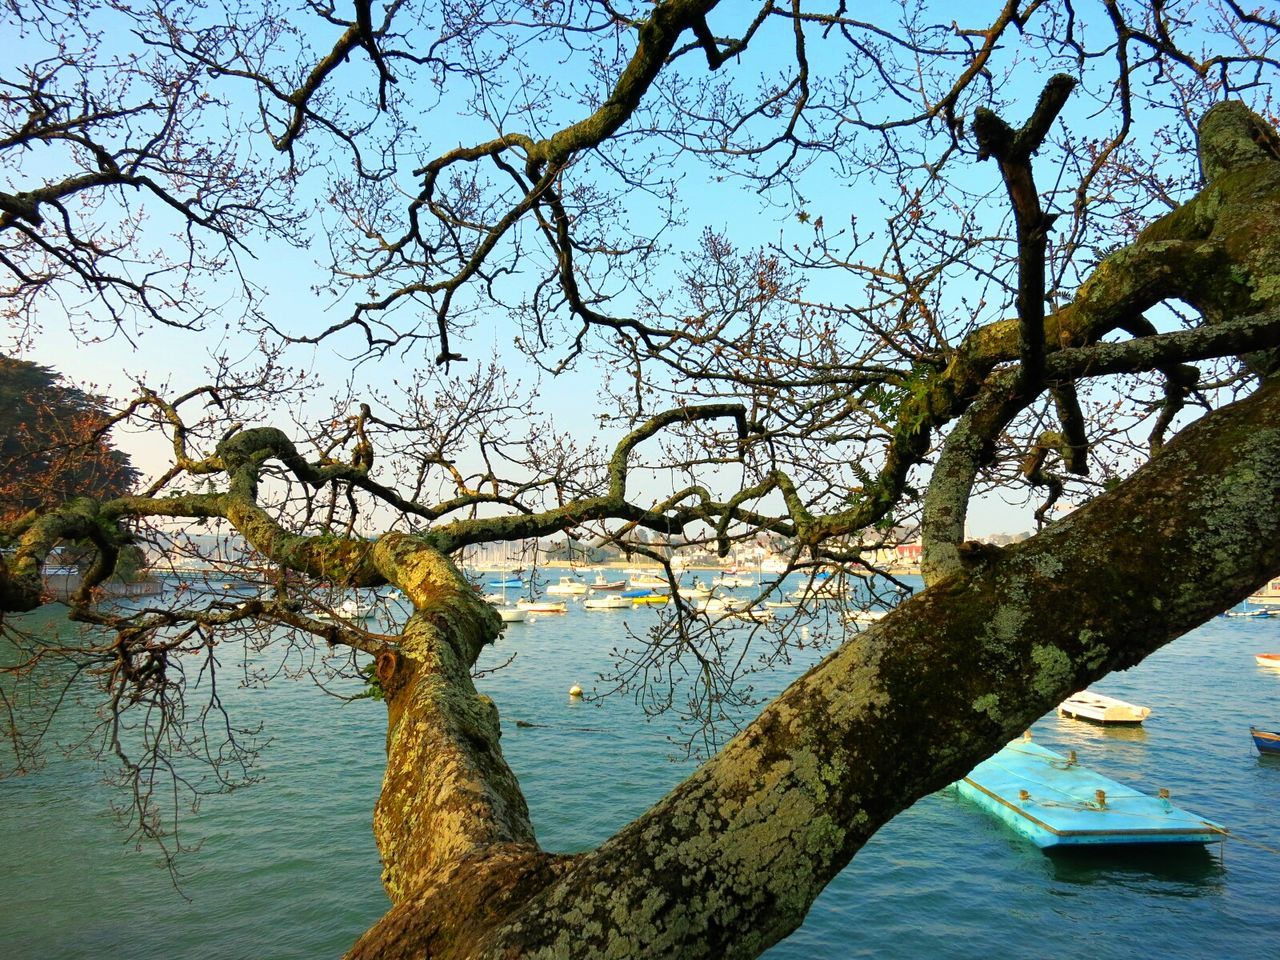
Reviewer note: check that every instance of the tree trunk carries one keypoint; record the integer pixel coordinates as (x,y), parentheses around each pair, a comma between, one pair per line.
(730,861)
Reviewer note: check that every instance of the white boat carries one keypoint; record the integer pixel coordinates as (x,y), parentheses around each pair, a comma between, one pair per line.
(781,604)
(1268,594)
(600,583)
(822,596)
(351,608)
(567,587)
(648,580)
(1248,613)
(1267,659)
(865,616)
(732,580)
(697,591)
(512,614)
(722,605)
(607,603)
(754,614)
(543,606)
(1098,707)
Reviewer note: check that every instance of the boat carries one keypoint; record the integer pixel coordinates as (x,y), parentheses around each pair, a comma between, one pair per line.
(512,614)
(1267,659)
(648,580)
(1055,802)
(752,614)
(567,587)
(781,604)
(505,582)
(865,616)
(1268,594)
(543,606)
(351,608)
(1098,707)
(731,580)
(600,583)
(649,598)
(607,603)
(821,588)
(722,604)
(1248,613)
(697,591)
(1265,740)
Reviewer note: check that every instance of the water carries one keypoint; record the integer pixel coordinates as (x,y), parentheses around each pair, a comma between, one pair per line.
(288,867)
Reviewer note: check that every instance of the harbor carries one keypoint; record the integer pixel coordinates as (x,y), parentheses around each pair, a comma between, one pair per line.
(944,879)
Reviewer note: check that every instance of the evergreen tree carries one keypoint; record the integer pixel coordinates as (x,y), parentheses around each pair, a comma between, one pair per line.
(53,445)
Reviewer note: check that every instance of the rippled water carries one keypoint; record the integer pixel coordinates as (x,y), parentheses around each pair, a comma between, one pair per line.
(288,867)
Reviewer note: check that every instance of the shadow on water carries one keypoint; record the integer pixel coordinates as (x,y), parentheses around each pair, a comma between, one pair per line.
(1181,869)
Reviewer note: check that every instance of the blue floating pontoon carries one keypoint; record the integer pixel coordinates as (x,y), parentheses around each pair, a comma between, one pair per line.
(1054,802)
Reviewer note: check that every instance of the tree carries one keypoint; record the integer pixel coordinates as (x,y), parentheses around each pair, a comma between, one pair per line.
(842,379)
(52,443)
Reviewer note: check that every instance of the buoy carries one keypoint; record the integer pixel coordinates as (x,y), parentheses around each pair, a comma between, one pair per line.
(575,691)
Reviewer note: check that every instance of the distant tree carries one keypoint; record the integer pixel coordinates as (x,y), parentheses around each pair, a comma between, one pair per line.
(53,443)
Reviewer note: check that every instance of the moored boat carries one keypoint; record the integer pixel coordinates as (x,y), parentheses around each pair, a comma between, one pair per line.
(543,606)
(600,583)
(352,608)
(865,616)
(1268,594)
(640,580)
(1267,659)
(649,598)
(1265,740)
(512,614)
(567,587)
(607,603)
(1098,707)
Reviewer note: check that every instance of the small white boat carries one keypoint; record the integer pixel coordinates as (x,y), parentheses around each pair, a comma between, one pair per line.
(512,614)
(648,580)
(824,589)
(607,603)
(697,591)
(753,614)
(722,605)
(732,580)
(567,587)
(781,604)
(351,608)
(865,616)
(1248,613)
(1098,707)
(543,606)
(1268,594)
(1267,659)
(600,583)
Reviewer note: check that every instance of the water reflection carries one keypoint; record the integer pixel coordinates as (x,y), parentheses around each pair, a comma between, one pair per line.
(1178,870)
